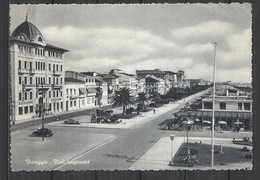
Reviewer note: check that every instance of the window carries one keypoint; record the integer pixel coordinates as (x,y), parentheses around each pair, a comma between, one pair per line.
(247,106)
(50,106)
(49,67)
(53,80)
(57,80)
(20,110)
(25,80)
(92,99)
(25,64)
(30,95)
(49,94)
(74,91)
(239,106)
(54,106)
(70,91)
(20,96)
(88,100)
(43,65)
(57,93)
(49,80)
(53,93)
(20,80)
(19,64)
(61,105)
(74,102)
(61,94)
(30,80)
(67,91)
(222,105)
(70,103)
(25,96)
(61,80)
(57,67)
(39,65)
(60,67)
(53,67)
(30,65)
(207,105)
(83,102)
(31,109)
(58,107)
(26,110)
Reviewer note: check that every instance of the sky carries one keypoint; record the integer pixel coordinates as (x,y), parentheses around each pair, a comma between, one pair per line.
(134,37)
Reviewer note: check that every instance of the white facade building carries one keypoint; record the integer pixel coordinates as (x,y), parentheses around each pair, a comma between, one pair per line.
(36,71)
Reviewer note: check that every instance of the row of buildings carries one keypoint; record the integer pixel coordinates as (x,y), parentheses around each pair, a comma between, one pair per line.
(233,105)
(39,82)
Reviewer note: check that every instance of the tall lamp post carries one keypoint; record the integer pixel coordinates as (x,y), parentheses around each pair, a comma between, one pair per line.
(172,138)
(213,109)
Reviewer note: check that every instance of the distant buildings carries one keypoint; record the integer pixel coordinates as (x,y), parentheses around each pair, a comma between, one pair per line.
(197,82)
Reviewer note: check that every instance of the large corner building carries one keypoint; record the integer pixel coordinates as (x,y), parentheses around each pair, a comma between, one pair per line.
(36,74)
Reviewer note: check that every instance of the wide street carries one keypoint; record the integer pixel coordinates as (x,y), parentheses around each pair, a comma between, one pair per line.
(84,148)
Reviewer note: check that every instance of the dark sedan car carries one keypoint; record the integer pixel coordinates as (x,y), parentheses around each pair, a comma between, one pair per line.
(42,132)
(71,121)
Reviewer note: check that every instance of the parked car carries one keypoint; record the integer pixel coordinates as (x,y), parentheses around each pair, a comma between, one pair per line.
(71,121)
(152,105)
(42,132)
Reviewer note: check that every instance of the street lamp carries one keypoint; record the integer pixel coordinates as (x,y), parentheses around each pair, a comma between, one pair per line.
(172,138)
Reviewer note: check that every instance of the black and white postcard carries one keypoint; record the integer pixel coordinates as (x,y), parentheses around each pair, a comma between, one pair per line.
(130,87)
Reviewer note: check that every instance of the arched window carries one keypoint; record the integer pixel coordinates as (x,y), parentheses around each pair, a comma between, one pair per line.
(40,39)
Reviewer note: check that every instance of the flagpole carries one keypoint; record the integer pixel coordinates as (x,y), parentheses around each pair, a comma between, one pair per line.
(213,109)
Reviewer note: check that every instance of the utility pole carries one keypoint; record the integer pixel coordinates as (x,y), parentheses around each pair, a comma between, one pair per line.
(42,114)
(99,106)
(213,109)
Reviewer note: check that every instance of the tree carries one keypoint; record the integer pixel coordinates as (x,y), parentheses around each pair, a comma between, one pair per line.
(122,98)
(142,98)
(155,96)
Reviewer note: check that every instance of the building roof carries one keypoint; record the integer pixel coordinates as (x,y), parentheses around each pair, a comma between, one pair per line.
(128,74)
(154,71)
(170,72)
(150,80)
(67,79)
(29,31)
(228,99)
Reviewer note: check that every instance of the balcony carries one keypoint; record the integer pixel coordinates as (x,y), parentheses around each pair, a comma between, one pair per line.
(32,71)
(56,86)
(56,73)
(23,71)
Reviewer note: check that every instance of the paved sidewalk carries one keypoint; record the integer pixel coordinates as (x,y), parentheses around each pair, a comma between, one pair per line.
(158,156)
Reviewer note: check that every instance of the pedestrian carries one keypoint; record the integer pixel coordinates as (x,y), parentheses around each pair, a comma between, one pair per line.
(154,111)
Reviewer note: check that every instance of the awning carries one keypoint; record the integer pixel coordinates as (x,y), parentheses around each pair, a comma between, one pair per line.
(91,90)
(82,90)
(217,114)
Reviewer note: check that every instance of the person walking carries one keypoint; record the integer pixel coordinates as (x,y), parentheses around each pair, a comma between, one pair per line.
(154,111)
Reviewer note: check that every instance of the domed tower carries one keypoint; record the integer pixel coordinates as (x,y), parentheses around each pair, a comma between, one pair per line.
(36,74)
(29,33)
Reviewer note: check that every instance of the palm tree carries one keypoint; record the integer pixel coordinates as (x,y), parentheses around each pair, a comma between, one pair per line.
(142,98)
(122,98)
